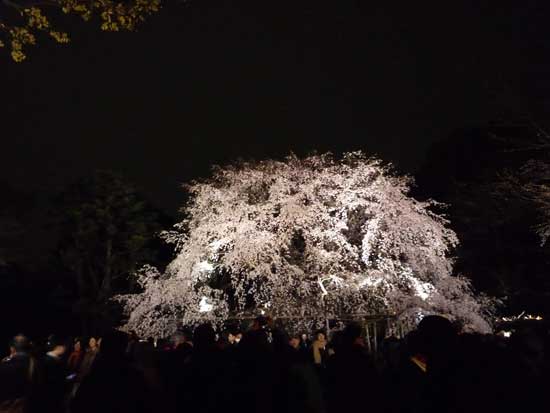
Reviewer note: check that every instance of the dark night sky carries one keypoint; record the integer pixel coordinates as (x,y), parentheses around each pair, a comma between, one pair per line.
(206,82)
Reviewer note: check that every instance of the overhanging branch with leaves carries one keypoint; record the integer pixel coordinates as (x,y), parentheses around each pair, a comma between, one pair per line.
(22,21)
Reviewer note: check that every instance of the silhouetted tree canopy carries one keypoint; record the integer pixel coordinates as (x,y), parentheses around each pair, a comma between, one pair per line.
(107,232)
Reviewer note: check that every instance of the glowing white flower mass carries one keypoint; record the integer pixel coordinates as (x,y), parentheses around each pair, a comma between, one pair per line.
(314,237)
(205,266)
(205,306)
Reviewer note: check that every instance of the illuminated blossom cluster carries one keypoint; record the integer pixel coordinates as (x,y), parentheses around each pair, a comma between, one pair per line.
(313,238)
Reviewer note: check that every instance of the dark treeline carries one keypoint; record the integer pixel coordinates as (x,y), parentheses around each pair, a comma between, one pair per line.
(65,254)
(500,250)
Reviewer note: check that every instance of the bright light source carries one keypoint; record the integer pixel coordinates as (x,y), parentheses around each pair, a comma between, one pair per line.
(205,266)
(204,305)
(217,244)
(422,289)
(370,281)
(419,315)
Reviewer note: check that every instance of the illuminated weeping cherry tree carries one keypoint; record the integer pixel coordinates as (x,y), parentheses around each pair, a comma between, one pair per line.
(309,239)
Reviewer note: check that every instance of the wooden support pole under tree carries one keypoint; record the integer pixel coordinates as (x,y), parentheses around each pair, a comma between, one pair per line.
(375,339)
(368,336)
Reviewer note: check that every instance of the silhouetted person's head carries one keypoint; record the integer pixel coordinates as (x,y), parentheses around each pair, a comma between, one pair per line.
(337,341)
(280,340)
(204,337)
(144,354)
(351,335)
(414,344)
(260,323)
(320,336)
(234,334)
(295,341)
(182,337)
(436,335)
(12,350)
(20,344)
(92,343)
(114,344)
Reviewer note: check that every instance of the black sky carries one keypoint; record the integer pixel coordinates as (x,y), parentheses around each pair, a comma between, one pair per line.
(206,82)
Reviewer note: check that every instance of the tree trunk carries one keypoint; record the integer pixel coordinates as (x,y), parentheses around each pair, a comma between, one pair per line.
(81,283)
(106,285)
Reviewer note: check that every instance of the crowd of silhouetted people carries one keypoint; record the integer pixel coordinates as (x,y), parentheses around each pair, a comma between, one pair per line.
(264,369)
